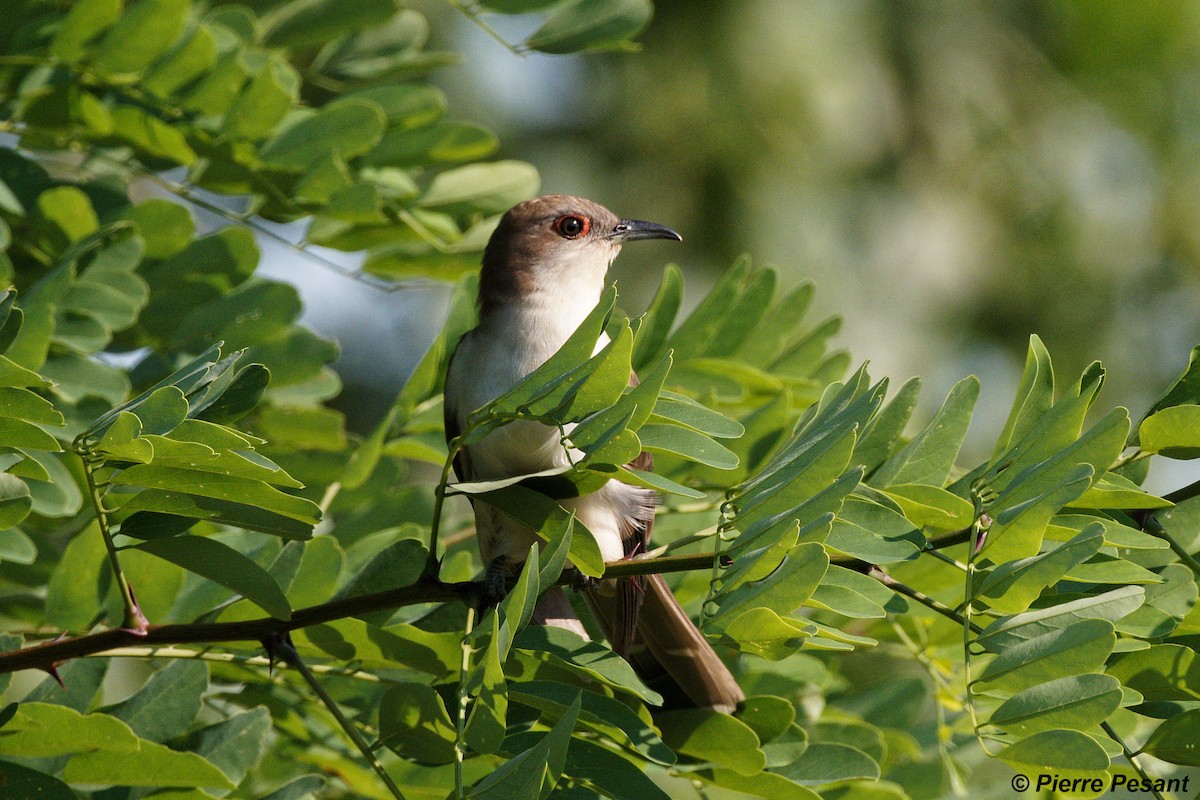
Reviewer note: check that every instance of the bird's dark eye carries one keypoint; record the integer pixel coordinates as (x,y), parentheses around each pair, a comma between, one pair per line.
(572,226)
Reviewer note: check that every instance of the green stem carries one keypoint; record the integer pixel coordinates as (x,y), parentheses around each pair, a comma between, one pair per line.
(924,599)
(184,653)
(968,610)
(346,725)
(1131,458)
(471,14)
(134,618)
(439,500)
(460,720)
(1155,528)
(1132,759)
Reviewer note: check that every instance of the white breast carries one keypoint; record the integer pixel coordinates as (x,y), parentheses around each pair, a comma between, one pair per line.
(512,342)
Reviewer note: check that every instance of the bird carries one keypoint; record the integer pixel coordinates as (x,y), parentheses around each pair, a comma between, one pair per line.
(544,269)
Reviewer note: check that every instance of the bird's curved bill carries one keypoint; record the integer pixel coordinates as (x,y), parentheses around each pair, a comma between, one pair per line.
(629,229)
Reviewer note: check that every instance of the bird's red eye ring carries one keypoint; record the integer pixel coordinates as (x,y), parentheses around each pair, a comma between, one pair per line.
(572,226)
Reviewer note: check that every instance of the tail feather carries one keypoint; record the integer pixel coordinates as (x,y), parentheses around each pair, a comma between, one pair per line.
(669,647)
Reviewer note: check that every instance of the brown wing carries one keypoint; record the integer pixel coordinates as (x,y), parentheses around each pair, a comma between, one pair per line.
(462,460)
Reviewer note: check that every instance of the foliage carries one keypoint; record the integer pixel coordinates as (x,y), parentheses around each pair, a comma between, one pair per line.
(174,488)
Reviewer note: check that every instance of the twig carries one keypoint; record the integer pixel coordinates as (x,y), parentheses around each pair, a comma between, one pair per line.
(1132,759)
(294,659)
(922,598)
(471,14)
(134,619)
(460,717)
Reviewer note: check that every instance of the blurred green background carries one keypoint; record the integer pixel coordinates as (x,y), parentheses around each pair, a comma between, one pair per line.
(953,175)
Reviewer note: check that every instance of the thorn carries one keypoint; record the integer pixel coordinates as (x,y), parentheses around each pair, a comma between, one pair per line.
(279,647)
(52,671)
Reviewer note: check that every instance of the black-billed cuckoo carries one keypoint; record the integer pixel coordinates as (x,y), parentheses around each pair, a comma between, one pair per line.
(543,272)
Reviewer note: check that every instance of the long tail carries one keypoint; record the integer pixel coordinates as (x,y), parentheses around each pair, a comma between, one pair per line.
(669,652)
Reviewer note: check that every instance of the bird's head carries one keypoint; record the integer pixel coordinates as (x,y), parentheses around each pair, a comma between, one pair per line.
(556,245)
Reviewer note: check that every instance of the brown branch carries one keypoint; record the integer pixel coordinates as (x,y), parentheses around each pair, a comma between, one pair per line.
(46,655)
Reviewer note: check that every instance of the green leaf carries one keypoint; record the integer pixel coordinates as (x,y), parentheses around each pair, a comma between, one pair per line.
(69,213)
(631,411)
(557,369)
(192,59)
(489,713)
(398,564)
(219,487)
(764,633)
(1020,521)
(441,143)
(487,188)
(1077,702)
(609,771)
(436,654)
(346,127)
(535,771)
(1177,739)
(14,375)
(714,737)
(595,662)
(1173,432)
(764,784)
(1166,605)
(1162,672)
(1012,586)
(146,30)
(785,589)
(235,744)
(15,502)
(932,507)
(1052,433)
(167,704)
(608,716)
(686,443)
(1115,491)
(826,762)
(27,405)
(152,765)
(223,565)
(413,722)
(874,532)
(853,594)
(86,20)
(16,547)
(590,25)
(883,432)
(41,730)
(320,21)
(679,409)
(930,456)
(150,136)
(1065,753)
(548,519)
(652,327)
(1078,648)
(18,433)
(1185,390)
(151,503)
(1112,606)
(1035,396)
(25,782)
(263,103)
